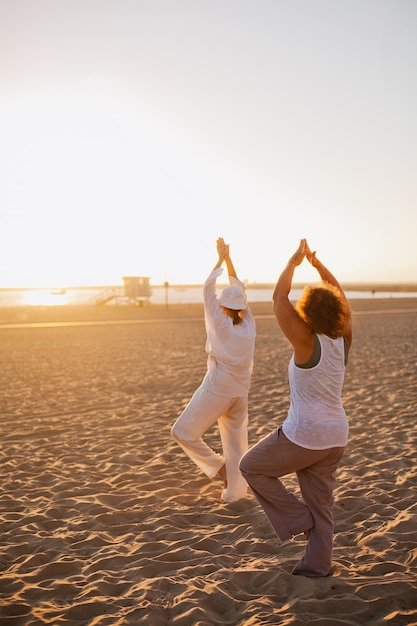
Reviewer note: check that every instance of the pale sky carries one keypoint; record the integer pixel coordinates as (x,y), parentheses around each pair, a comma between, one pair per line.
(133,133)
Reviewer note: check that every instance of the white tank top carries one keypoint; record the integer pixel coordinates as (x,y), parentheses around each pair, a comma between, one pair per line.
(316,418)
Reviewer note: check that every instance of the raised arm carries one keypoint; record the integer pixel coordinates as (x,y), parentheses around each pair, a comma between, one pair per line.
(229,263)
(223,250)
(291,324)
(325,274)
(328,277)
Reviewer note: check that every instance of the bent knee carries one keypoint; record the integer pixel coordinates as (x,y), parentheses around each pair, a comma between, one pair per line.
(244,465)
(175,432)
(181,436)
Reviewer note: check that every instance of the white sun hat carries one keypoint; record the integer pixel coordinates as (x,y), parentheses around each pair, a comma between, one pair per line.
(232,298)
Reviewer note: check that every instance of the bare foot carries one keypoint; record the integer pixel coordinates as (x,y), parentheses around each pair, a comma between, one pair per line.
(223,475)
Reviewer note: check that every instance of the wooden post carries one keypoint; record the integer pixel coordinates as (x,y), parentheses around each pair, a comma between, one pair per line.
(166,285)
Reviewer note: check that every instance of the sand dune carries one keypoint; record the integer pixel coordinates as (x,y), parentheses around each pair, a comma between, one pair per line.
(104,521)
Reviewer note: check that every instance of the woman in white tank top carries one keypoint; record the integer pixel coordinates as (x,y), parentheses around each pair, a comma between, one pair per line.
(312,438)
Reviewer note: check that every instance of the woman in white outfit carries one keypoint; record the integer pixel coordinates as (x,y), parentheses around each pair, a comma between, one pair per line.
(312,438)
(223,395)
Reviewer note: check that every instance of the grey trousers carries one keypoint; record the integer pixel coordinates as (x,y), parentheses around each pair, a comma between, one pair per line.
(275,456)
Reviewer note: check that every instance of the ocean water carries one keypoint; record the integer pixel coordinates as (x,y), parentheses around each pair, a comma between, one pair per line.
(160,295)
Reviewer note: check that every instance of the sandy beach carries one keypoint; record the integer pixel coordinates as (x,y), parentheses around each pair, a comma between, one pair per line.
(105,522)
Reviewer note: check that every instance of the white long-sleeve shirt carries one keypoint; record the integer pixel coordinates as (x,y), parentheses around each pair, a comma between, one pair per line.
(230,347)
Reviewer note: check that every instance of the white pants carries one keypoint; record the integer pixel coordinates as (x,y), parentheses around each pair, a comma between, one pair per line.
(203,410)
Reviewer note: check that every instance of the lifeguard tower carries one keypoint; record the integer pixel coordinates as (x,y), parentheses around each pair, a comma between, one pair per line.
(136,290)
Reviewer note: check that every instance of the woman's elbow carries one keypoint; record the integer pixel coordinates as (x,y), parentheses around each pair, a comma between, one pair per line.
(277,300)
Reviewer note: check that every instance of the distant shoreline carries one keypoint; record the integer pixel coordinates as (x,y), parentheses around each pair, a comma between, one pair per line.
(351,286)
(372,287)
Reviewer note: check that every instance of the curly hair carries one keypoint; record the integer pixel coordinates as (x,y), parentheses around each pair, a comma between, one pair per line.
(324,309)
